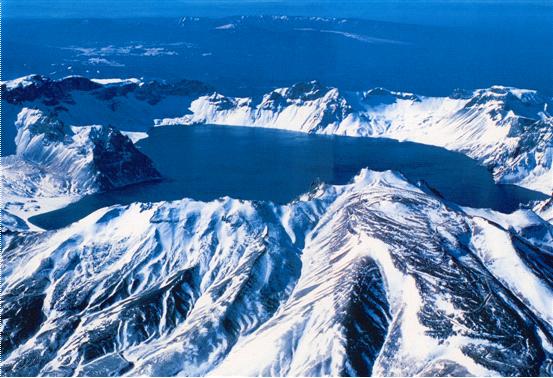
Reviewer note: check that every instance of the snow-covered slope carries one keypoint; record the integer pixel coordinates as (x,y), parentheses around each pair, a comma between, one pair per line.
(545,209)
(376,276)
(509,130)
(55,163)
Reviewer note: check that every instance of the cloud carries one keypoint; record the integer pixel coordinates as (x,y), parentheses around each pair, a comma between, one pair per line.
(131,50)
(103,61)
(358,37)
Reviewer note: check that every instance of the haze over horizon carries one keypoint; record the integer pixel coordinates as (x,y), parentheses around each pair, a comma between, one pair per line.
(439,12)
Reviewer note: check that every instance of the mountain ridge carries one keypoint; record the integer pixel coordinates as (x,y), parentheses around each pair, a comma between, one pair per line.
(506,129)
(230,274)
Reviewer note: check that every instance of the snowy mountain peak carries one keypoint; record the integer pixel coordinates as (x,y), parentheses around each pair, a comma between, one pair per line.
(383,92)
(24,81)
(33,122)
(222,102)
(84,158)
(502,101)
(304,91)
(59,91)
(32,87)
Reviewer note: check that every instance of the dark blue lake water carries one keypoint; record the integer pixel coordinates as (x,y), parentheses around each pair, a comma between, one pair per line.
(208,162)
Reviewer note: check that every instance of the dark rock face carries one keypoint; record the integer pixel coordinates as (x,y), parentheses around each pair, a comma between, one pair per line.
(154,91)
(383,92)
(52,91)
(367,320)
(221,102)
(306,91)
(118,162)
(502,100)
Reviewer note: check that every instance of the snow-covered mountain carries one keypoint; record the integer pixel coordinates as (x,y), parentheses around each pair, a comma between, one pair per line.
(127,104)
(55,163)
(376,277)
(91,158)
(331,284)
(509,130)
